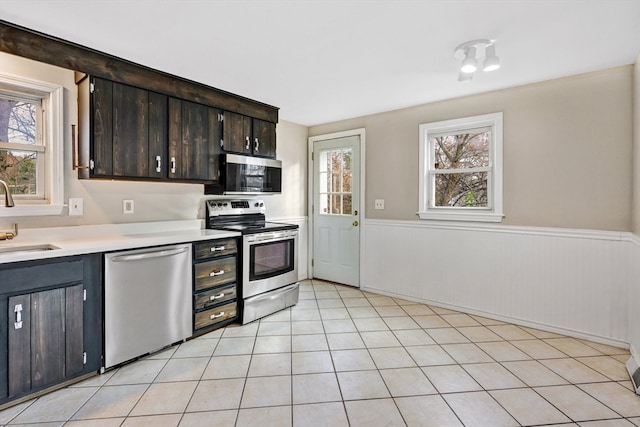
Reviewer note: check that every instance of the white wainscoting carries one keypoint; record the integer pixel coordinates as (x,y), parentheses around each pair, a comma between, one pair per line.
(634,300)
(303,252)
(574,282)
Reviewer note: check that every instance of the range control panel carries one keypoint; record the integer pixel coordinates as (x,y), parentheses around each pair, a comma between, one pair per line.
(234,207)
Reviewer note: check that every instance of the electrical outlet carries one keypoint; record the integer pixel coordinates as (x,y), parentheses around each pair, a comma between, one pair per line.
(76,206)
(127,207)
(379,204)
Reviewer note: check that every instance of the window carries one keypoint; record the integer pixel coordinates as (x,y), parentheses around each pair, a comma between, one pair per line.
(31,115)
(461,169)
(335,182)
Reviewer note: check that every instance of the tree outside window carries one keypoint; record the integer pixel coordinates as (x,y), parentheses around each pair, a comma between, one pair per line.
(336,182)
(461,163)
(19,146)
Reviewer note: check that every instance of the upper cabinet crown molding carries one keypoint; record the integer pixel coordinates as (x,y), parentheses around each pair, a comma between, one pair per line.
(27,43)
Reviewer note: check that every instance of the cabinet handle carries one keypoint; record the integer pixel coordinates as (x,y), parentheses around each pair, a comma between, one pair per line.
(217,248)
(173,165)
(215,297)
(75,150)
(257,144)
(246,138)
(216,273)
(18,310)
(158,164)
(215,316)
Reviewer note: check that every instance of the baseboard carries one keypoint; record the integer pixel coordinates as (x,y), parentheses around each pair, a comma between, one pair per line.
(515,321)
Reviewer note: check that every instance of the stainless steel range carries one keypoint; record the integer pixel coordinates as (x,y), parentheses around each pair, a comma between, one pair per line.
(269,273)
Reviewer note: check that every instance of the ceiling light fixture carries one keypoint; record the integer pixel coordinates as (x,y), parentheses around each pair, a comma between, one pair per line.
(468,51)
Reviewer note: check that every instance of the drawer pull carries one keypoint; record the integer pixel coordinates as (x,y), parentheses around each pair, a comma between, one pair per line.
(18,310)
(217,248)
(216,273)
(215,316)
(215,297)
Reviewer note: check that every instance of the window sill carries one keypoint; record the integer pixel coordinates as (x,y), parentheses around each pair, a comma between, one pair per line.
(461,216)
(31,210)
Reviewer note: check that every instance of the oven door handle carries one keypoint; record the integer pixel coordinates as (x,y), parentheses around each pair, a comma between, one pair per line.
(272,295)
(268,238)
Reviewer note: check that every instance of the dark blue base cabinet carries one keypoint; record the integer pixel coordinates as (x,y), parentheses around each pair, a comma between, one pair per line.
(51,329)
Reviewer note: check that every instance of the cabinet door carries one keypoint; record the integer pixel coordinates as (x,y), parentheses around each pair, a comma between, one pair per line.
(264,138)
(19,350)
(175,138)
(157,135)
(194,138)
(236,133)
(102,128)
(47,347)
(130,131)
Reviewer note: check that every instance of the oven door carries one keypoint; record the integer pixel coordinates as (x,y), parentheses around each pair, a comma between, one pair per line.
(269,261)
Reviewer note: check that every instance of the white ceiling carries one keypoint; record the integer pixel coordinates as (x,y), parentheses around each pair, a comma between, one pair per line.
(326,60)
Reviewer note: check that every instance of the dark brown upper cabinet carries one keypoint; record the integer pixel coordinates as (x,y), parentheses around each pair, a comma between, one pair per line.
(194,141)
(31,44)
(246,135)
(126,131)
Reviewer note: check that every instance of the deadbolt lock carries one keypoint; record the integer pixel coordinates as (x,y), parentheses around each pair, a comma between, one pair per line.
(355,223)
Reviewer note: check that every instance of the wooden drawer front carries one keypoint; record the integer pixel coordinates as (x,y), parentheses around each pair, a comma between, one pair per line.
(215,248)
(215,315)
(214,296)
(214,273)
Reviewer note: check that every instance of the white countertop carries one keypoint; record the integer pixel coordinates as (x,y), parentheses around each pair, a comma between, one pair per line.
(105,238)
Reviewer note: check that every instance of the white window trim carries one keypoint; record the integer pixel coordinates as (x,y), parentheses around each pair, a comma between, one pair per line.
(494,213)
(53,134)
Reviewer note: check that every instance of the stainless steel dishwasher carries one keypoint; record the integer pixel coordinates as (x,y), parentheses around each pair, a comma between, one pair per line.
(147,301)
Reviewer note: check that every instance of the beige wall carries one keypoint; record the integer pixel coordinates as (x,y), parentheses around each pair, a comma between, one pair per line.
(567,151)
(153,201)
(292,151)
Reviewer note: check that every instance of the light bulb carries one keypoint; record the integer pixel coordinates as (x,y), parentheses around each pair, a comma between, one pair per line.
(491,61)
(469,63)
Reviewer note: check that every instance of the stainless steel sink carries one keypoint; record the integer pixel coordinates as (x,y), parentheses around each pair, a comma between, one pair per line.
(17,250)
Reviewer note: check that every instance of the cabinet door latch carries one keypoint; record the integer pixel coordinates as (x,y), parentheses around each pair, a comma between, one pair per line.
(18,310)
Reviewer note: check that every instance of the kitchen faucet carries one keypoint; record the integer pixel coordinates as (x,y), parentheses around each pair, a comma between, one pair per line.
(8,202)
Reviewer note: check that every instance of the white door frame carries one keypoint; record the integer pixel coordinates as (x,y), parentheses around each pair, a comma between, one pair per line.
(312,139)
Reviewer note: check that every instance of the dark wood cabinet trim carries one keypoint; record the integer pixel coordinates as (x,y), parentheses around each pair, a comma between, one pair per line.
(31,44)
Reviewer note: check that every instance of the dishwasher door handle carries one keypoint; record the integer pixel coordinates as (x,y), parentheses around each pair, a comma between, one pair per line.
(149,255)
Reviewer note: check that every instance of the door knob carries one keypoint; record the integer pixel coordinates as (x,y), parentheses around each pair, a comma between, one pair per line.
(355,223)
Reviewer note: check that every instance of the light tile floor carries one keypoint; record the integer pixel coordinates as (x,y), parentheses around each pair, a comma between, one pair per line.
(342,357)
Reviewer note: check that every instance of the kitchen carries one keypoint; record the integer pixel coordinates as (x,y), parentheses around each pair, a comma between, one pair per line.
(162,201)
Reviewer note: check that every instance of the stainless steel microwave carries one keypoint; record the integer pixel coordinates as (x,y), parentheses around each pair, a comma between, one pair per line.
(247,175)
